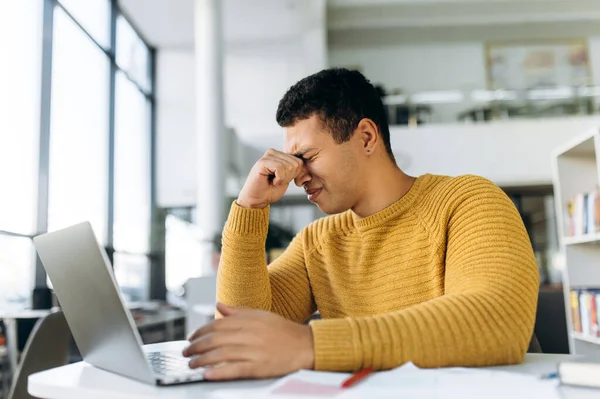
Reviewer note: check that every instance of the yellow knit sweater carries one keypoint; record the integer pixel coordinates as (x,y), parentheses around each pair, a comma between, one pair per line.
(445,276)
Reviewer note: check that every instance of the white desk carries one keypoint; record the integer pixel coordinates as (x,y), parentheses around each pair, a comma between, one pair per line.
(82,381)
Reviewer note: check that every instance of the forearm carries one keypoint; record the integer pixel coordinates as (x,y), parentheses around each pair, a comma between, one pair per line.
(470,329)
(242,278)
(245,280)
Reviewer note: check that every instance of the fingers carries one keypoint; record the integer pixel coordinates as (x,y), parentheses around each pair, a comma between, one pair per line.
(231,371)
(285,167)
(295,164)
(214,340)
(227,354)
(274,167)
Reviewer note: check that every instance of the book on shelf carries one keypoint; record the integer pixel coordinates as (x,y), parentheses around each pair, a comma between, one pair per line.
(575,314)
(583,214)
(585,311)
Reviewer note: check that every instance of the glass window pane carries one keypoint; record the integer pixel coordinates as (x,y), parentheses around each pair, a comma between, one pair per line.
(20,77)
(93,16)
(17,258)
(133,276)
(79,130)
(132,168)
(132,54)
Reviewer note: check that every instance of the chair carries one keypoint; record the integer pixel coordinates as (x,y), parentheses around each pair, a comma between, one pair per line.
(46,348)
(534,345)
(4,370)
(551,321)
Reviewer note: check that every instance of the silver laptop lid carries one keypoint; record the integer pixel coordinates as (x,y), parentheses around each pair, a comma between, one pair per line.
(86,288)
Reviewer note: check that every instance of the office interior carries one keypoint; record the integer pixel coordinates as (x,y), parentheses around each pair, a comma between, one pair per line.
(145,116)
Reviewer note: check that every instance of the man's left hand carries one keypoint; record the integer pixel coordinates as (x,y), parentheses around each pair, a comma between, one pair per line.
(250,343)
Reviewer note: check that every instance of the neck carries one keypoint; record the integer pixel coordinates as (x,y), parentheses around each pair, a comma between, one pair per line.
(383,188)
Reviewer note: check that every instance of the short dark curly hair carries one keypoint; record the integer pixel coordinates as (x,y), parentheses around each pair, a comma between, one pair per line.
(341,98)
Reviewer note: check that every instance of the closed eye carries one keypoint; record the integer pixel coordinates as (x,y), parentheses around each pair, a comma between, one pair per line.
(305,160)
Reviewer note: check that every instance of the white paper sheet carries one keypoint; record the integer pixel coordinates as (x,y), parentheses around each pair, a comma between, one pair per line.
(407,381)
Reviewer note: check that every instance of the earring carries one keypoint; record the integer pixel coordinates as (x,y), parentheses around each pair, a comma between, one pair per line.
(368,150)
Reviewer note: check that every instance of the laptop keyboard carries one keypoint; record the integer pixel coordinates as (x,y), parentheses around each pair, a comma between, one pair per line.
(171,363)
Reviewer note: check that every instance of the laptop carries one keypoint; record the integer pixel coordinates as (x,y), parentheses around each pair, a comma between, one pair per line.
(102,326)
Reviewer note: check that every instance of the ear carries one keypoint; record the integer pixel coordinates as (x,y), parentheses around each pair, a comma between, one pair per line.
(369,135)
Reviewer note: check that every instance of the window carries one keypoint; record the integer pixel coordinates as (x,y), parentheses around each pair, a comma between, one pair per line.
(74,63)
(17,270)
(94,17)
(132,169)
(78,176)
(20,82)
(20,75)
(132,207)
(132,54)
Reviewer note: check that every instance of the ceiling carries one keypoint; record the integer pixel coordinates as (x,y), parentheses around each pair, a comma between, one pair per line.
(170,23)
(162,23)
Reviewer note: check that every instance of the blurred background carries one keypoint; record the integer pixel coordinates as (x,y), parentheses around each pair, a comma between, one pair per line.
(145,116)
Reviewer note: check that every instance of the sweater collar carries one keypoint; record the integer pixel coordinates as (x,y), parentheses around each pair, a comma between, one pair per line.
(395,209)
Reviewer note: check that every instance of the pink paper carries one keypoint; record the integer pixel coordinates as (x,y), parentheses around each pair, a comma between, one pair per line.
(299,387)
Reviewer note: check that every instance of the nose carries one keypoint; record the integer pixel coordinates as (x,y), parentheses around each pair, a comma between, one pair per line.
(303,178)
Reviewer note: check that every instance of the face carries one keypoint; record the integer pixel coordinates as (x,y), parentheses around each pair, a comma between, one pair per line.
(331,175)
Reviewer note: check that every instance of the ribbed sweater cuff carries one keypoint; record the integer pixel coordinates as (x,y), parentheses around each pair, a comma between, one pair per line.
(246,221)
(334,344)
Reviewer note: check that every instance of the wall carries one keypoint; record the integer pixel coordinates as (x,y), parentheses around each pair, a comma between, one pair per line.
(510,153)
(431,66)
(255,79)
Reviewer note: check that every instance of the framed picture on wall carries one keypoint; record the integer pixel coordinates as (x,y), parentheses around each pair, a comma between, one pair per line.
(538,64)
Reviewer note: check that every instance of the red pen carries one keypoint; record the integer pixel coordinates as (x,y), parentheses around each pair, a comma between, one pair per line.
(356,378)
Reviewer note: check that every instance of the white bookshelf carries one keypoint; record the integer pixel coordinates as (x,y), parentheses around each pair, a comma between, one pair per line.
(586,338)
(575,171)
(582,239)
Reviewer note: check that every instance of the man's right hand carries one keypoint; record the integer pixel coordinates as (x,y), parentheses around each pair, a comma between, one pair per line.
(269,178)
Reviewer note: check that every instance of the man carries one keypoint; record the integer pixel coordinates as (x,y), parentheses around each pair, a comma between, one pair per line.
(435,270)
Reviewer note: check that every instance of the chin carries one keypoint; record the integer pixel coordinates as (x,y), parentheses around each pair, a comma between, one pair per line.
(331,210)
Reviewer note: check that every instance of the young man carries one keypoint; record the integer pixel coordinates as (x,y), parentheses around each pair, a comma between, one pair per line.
(435,270)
